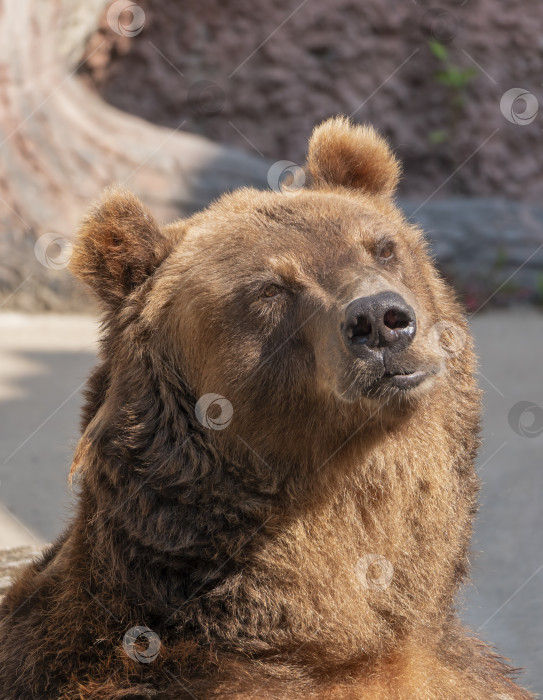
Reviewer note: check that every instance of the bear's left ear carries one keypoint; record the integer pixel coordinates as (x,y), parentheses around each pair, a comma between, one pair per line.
(343,154)
(118,246)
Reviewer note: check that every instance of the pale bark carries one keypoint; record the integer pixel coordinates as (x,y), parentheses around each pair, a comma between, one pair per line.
(60,145)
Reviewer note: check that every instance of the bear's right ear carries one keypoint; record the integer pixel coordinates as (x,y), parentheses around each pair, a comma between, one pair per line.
(350,155)
(118,246)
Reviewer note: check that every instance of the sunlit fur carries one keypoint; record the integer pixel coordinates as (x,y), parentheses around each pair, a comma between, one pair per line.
(240,548)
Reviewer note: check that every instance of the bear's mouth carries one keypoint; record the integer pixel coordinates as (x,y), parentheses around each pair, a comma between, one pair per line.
(399,381)
(385,375)
(404,379)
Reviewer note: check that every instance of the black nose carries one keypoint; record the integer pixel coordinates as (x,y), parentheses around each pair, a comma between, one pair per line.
(379,321)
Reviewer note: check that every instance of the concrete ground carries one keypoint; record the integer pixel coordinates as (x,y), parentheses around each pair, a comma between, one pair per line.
(44,361)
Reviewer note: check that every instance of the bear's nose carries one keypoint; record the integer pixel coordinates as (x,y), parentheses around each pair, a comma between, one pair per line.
(379,321)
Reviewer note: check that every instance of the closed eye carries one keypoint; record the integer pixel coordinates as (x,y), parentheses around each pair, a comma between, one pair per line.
(269,291)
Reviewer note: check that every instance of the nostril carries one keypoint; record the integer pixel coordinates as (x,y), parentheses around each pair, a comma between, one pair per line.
(396,318)
(360,331)
(383,320)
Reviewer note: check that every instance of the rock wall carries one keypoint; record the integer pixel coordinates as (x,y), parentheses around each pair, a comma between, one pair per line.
(489,248)
(259,75)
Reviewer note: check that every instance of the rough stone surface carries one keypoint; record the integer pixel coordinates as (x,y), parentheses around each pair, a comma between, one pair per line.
(277,68)
(490,248)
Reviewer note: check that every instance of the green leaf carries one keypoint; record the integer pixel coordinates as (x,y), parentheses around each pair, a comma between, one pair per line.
(456,77)
(438,49)
(444,77)
(439,136)
(469,74)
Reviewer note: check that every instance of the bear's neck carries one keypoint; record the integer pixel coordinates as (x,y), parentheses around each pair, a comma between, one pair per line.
(378,546)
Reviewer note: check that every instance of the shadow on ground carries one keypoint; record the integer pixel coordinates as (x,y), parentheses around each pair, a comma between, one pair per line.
(40,403)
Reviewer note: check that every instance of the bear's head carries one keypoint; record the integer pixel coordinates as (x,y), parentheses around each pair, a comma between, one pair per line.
(287,321)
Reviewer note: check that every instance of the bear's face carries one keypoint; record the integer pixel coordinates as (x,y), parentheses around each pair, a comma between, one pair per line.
(301,311)
(310,298)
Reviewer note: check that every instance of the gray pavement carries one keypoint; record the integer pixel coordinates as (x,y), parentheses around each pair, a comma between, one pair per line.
(44,361)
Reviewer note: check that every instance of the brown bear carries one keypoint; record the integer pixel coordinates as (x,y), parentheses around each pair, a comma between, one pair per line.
(276,469)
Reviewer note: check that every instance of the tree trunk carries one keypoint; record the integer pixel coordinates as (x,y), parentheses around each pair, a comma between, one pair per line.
(60,145)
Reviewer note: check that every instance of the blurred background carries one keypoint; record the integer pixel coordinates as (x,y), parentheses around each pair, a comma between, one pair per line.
(181,101)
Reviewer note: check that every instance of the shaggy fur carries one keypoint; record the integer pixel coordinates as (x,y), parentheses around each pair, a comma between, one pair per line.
(241,548)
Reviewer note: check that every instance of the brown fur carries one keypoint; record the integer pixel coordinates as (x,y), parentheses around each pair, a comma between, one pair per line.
(240,547)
